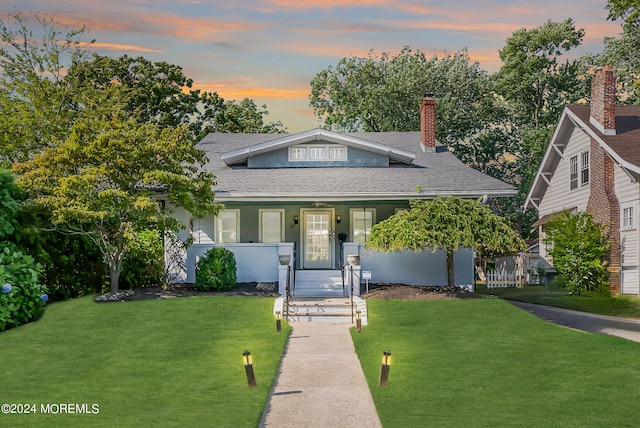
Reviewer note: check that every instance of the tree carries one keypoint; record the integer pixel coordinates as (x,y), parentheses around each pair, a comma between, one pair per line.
(383,93)
(533,80)
(36,103)
(447,223)
(623,53)
(536,85)
(101,180)
(578,247)
(160,93)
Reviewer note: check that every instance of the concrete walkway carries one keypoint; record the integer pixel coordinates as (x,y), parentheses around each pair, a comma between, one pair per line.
(320,382)
(593,323)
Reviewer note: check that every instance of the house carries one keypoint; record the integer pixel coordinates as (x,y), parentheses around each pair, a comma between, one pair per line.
(314,196)
(593,164)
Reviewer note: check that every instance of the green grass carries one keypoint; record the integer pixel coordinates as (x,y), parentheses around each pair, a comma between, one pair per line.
(486,363)
(172,362)
(597,303)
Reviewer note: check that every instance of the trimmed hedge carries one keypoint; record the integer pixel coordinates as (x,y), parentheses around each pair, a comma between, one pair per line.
(216,270)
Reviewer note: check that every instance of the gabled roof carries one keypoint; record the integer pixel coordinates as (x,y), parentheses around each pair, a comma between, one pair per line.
(623,147)
(241,155)
(415,174)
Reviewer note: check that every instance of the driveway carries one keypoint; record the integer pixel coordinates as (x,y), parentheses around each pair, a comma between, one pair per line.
(600,324)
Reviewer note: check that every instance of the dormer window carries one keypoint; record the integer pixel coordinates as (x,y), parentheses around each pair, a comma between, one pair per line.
(317,153)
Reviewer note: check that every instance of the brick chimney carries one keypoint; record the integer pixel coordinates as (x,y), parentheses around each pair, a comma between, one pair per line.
(603,101)
(428,124)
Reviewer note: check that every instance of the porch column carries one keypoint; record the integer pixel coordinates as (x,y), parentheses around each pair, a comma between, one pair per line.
(353,279)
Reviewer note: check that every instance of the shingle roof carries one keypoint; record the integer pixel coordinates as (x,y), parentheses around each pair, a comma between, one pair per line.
(623,147)
(626,142)
(435,173)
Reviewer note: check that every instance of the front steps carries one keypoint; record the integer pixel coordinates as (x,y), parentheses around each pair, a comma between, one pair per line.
(319,309)
(319,283)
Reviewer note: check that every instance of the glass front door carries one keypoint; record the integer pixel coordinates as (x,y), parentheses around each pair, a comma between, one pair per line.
(318,239)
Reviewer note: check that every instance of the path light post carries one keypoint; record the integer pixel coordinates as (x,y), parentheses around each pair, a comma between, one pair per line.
(278,321)
(358,321)
(248,368)
(384,372)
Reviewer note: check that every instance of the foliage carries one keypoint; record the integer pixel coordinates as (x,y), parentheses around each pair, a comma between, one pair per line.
(100,182)
(622,53)
(383,92)
(160,93)
(446,223)
(629,10)
(533,80)
(216,270)
(22,298)
(111,355)
(10,196)
(143,263)
(578,247)
(36,102)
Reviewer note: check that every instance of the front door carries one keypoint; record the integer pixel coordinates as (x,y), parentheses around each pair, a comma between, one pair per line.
(317,239)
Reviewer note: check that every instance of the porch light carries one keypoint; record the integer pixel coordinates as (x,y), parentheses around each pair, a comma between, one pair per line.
(248,368)
(338,218)
(358,321)
(295,219)
(384,372)
(278,321)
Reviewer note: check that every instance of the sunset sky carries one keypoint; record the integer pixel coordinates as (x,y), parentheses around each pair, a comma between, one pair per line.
(269,50)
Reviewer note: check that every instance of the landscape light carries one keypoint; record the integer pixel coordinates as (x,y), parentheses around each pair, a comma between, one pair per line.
(358,321)
(278,321)
(248,368)
(384,372)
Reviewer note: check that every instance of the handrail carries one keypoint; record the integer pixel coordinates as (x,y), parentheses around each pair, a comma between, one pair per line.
(351,293)
(287,293)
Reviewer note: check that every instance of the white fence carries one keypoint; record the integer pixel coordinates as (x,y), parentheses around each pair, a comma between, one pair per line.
(504,279)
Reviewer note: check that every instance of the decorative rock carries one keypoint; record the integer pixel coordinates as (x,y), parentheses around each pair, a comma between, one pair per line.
(120,296)
(266,286)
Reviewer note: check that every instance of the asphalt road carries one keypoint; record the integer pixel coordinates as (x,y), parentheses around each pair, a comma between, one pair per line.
(600,324)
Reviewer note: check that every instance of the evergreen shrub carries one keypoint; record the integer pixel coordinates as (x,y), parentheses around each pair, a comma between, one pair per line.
(216,270)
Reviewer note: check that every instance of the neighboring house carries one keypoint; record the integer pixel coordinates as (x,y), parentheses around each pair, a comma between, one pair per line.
(315,196)
(593,164)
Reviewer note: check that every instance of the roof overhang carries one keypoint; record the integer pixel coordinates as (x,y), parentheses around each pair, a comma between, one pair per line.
(241,155)
(568,122)
(342,197)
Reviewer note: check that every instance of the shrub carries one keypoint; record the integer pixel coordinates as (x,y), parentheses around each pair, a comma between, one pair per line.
(578,247)
(143,264)
(216,270)
(22,298)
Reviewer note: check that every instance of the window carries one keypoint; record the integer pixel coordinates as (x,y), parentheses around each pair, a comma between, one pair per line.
(628,217)
(579,178)
(228,226)
(202,230)
(298,153)
(573,172)
(271,225)
(584,168)
(362,220)
(317,152)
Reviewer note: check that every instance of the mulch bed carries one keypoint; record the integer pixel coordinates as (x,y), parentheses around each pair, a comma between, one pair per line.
(376,291)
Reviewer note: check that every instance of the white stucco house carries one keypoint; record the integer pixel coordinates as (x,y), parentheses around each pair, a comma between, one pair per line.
(315,195)
(592,164)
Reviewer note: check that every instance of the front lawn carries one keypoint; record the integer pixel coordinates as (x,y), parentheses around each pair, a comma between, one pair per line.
(484,362)
(172,362)
(553,295)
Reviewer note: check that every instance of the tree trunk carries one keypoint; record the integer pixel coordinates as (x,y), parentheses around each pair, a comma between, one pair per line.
(115,268)
(450,269)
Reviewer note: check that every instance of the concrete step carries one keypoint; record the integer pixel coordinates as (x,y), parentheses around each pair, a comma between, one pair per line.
(323,309)
(319,283)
